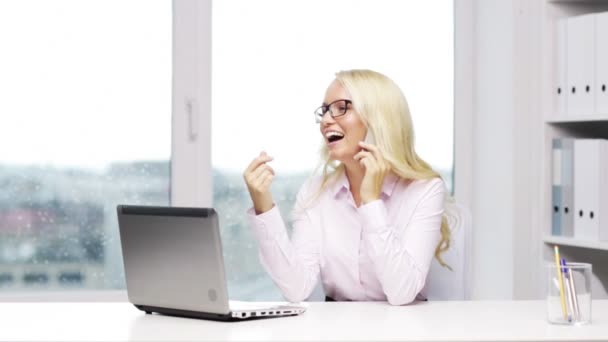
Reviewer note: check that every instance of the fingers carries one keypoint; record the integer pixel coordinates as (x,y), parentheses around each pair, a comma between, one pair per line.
(366,159)
(261,184)
(267,180)
(373,149)
(261,169)
(367,163)
(363,154)
(253,169)
(259,175)
(256,180)
(371,157)
(262,158)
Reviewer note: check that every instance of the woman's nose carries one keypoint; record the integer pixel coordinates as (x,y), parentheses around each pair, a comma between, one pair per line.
(327,118)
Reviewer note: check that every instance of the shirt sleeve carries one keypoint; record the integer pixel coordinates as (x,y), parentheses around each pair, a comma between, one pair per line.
(402,255)
(292,264)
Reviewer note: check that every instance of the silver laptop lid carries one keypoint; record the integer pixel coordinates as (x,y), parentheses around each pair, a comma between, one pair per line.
(173,258)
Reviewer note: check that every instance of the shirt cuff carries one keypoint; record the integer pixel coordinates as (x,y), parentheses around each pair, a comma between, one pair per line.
(374,216)
(266,226)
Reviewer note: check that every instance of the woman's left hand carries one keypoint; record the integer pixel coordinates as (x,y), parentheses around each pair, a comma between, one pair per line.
(376,169)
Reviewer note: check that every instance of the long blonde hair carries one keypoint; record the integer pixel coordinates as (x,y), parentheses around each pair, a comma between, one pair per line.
(383,108)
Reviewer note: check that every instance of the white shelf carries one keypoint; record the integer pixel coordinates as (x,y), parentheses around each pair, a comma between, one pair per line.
(587,125)
(569,241)
(577,119)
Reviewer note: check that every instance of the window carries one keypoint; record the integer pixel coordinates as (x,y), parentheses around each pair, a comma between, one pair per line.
(272,61)
(85,125)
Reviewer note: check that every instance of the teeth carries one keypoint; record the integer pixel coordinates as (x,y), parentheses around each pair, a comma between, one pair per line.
(333,134)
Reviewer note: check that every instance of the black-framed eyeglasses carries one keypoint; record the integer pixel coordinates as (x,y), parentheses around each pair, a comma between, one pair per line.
(335,109)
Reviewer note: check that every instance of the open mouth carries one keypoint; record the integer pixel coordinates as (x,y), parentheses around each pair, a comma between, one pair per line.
(333,136)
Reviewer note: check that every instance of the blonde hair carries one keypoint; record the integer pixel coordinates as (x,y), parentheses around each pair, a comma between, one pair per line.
(383,108)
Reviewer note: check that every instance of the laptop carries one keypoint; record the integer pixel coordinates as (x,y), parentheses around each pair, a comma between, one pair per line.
(174,265)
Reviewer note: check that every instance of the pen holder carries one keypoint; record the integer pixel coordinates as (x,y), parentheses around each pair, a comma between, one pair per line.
(569,293)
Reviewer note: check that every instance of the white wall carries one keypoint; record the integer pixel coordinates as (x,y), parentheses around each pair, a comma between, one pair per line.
(528,149)
(492,149)
(504,114)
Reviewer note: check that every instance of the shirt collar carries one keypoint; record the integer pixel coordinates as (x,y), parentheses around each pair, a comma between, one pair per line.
(341,184)
(390,181)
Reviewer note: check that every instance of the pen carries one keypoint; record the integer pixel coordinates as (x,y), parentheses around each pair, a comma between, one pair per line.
(568,291)
(561,282)
(576,313)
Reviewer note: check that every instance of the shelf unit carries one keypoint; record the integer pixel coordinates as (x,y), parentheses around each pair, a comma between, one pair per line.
(590,126)
(572,242)
(565,120)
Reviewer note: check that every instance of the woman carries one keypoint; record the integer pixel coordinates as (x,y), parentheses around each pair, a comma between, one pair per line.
(372,221)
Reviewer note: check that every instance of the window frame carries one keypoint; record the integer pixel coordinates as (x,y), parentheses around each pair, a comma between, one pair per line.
(191,172)
(190,132)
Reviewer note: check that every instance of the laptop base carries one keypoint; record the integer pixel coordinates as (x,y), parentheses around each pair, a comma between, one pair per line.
(200,315)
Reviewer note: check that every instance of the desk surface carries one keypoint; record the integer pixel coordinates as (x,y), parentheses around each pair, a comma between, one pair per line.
(363,321)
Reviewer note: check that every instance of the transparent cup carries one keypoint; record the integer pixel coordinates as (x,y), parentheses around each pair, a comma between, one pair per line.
(569,293)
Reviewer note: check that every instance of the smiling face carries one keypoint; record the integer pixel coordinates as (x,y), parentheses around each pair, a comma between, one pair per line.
(343,133)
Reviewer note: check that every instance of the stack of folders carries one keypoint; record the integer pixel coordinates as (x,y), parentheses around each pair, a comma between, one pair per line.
(581,85)
(580,188)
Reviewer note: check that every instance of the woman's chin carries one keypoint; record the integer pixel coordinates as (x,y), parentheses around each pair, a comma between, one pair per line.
(340,157)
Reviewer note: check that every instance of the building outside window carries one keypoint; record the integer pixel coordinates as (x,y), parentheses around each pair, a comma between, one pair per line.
(85,124)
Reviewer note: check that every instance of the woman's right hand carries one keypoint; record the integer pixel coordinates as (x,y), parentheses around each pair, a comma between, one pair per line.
(258,177)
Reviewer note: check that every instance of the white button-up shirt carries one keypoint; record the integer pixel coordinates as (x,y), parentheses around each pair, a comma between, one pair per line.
(381,250)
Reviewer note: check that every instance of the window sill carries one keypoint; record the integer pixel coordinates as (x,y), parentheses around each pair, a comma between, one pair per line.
(65,296)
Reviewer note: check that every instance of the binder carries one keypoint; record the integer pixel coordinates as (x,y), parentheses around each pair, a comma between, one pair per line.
(560,91)
(602,201)
(556,188)
(590,189)
(601,63)
(562,192)
(580,65)
(567,198)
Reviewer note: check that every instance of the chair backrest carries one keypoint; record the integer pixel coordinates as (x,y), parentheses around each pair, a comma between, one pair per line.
(443,283)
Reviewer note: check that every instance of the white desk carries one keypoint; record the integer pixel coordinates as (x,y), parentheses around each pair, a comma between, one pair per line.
(367,321)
